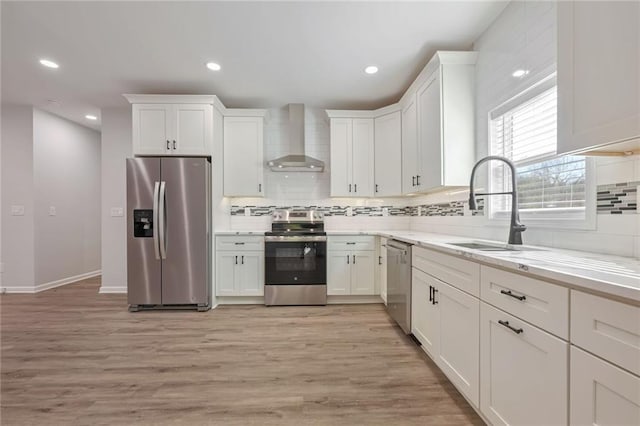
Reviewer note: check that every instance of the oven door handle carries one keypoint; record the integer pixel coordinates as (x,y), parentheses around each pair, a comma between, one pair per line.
(294,239)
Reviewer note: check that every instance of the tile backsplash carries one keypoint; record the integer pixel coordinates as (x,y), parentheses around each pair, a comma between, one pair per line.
(618,198)
(451,208)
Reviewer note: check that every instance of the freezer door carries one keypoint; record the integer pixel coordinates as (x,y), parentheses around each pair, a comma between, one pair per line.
(143,261)
(184,242)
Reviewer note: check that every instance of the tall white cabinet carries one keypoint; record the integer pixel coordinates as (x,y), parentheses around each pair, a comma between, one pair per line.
(243,156)
(598,74)
(352,151)
(388,157)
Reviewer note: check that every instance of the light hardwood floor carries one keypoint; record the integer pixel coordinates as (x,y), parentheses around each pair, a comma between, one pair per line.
(73,357)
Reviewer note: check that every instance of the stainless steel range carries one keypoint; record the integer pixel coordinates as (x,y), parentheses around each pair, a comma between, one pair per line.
(295,259)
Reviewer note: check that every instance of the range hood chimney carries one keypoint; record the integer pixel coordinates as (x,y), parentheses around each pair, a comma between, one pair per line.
(296,160)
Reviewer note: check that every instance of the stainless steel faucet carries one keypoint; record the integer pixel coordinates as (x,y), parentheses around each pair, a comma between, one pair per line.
(516,229)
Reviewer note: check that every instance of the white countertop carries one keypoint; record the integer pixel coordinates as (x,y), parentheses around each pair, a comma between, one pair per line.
(605,274)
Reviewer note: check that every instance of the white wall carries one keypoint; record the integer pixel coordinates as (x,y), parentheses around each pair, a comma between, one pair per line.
(66,166)
(17,189)
(116,148)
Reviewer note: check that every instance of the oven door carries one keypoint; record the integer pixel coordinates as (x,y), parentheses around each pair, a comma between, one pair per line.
(295,262)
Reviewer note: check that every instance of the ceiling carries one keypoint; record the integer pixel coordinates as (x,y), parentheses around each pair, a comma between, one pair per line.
(271,53)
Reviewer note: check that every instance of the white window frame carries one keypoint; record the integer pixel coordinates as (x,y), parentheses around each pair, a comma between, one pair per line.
(546,219)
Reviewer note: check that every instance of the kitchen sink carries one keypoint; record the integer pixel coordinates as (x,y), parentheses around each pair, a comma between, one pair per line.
(493,247)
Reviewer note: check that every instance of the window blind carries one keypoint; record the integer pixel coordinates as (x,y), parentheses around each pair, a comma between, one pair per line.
(526,133)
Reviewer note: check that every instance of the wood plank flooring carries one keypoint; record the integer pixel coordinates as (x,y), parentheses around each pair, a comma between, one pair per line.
(71,356)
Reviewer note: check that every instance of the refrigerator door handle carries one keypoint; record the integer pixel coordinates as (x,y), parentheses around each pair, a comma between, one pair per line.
(162,207)
(156,196)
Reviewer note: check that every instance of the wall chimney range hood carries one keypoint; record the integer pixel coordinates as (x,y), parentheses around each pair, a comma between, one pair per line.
(296,160)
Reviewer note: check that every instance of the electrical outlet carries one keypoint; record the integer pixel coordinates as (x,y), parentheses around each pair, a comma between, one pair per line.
(17,210)
(349,211)
(52,210)
(385,211)
(117,212)
(247,211)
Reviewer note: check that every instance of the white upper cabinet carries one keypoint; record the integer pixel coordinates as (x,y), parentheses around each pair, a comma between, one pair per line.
(388,155)
(409,145)
(243,159)
(352,153)
(598,75)
(446,130)
(172,129)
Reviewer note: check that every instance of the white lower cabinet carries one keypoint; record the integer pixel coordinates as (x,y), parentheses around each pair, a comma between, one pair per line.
(602,393)
(350,272)
(239,266)
(445,321)
(523,372)
(240,273)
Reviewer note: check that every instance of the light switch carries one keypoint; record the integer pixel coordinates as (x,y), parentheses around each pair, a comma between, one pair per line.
(117,212)
(52,210)
(17,210)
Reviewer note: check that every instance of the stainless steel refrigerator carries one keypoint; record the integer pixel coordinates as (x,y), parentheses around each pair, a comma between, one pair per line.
(169,232)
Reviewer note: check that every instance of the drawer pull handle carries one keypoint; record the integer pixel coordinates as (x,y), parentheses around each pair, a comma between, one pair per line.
(239,244)
(515,296)
(350,243)
(506,324)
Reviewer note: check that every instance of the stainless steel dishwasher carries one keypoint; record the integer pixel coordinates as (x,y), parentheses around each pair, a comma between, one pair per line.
(399,283)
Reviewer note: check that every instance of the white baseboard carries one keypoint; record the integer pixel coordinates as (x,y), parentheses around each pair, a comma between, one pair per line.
(51,284)
(112,290)
(23,290)
(68,280)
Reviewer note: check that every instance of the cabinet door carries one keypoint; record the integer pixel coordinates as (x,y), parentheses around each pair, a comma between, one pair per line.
(602,393)
(388,155)
(382,261)
(409,146)
(424,314)
(225,274)
(243,160)
(362,272)
(152,129)
(341,141)
(459,346)
(193,129)
(598,95)
(250,272)
(523,375)
(338,273)
(362,157)
(429,134)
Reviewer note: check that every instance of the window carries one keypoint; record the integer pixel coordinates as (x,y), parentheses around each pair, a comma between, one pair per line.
(525,131)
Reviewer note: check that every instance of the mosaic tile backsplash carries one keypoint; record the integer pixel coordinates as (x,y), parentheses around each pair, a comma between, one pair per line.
(618,198)
(453,208)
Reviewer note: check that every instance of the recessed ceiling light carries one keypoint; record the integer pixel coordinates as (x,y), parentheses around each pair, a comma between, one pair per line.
(520,73)
(371,69)
(90,117)
(213,66)
(49,64)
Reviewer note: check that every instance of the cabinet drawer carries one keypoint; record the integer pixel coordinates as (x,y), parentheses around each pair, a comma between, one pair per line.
(541,303)
(351,242)
(460,273)
(601,393)
(240,242)
(607,328)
